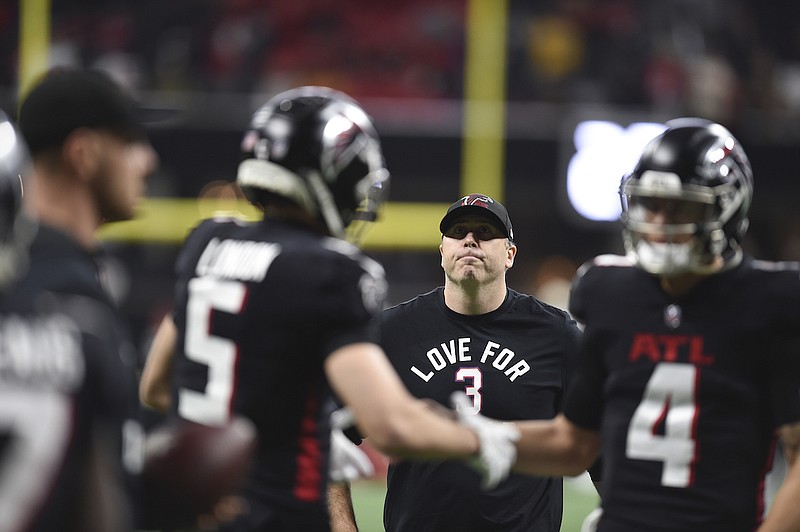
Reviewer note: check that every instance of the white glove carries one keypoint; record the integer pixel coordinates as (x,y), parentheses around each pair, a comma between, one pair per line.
(497,451)
(590,522)
(347,461)
(342,418)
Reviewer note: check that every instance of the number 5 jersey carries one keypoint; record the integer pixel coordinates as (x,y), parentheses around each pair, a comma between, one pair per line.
(259,306)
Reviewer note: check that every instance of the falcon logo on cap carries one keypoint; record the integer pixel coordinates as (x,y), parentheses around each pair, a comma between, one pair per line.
(478,204)
(477,200)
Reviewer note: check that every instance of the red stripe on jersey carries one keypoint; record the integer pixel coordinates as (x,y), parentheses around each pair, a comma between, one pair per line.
(236,359)
(308,482)
(695,419)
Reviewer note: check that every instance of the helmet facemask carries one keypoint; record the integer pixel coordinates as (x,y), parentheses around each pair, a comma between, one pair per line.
(354,172)
(671,228)
(685,205)
(371,192)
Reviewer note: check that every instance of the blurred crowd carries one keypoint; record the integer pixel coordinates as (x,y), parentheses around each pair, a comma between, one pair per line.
(725,60)
(721,59)
(715,58)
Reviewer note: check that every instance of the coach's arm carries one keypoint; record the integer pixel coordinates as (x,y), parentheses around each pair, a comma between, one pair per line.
(340,508)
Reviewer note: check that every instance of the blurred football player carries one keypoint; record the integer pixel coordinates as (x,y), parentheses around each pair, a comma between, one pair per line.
(62,398)
(689,364)
(90,159)
(275,317)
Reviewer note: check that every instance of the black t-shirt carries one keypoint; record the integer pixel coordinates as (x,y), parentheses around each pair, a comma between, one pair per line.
(514,363)
(686,391)
(66,383)
(259,306)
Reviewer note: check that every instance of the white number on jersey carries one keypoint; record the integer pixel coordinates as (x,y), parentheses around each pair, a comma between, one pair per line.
(473,388)
(38,424)
(206,294)
(668,401)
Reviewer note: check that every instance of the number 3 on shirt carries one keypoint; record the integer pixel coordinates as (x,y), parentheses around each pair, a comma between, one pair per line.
(206,294)
(669,404)
(473,388)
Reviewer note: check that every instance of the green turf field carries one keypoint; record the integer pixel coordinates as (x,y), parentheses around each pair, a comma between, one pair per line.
(579,499)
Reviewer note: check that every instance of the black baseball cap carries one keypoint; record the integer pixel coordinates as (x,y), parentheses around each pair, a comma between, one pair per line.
(478,204)
(66,100)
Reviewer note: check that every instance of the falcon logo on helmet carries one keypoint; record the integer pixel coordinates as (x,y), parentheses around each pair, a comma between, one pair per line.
(317,148)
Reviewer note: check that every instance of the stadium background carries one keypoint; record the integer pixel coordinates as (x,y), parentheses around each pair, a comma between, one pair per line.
(468,95)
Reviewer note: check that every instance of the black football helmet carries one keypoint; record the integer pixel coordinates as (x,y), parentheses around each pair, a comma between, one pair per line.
(316,147)
(698,173)
(16,231)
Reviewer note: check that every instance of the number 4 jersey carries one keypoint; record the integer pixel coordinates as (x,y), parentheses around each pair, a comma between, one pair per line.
(686,391)
(259,306)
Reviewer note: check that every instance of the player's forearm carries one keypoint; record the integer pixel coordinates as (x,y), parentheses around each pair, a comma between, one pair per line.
(555,448)
(784,515)
(402,426)
(396,423)
(789,436)
(158,400)
(411,429)
(154,386)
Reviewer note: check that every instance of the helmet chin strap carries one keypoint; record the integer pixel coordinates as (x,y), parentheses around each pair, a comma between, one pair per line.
(327,206)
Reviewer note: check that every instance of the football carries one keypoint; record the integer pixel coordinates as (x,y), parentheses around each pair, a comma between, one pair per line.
(189,467)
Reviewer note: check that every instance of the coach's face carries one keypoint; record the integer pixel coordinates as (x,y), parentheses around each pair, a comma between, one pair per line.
(474,249)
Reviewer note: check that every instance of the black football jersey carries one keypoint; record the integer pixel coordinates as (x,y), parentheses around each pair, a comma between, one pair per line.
(259,306)
(686,391)
(63,383)
(513,363)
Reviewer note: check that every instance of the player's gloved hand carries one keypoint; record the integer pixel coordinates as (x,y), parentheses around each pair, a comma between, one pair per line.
(590,522)
(497,452)
(347,461)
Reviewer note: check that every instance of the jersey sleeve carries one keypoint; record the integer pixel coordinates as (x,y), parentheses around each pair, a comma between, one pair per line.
(572,339)
(785,390)
(193,246)
(342,293)
(784,378)
(779,298)
(583,406)
(577,299)
(361,293)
